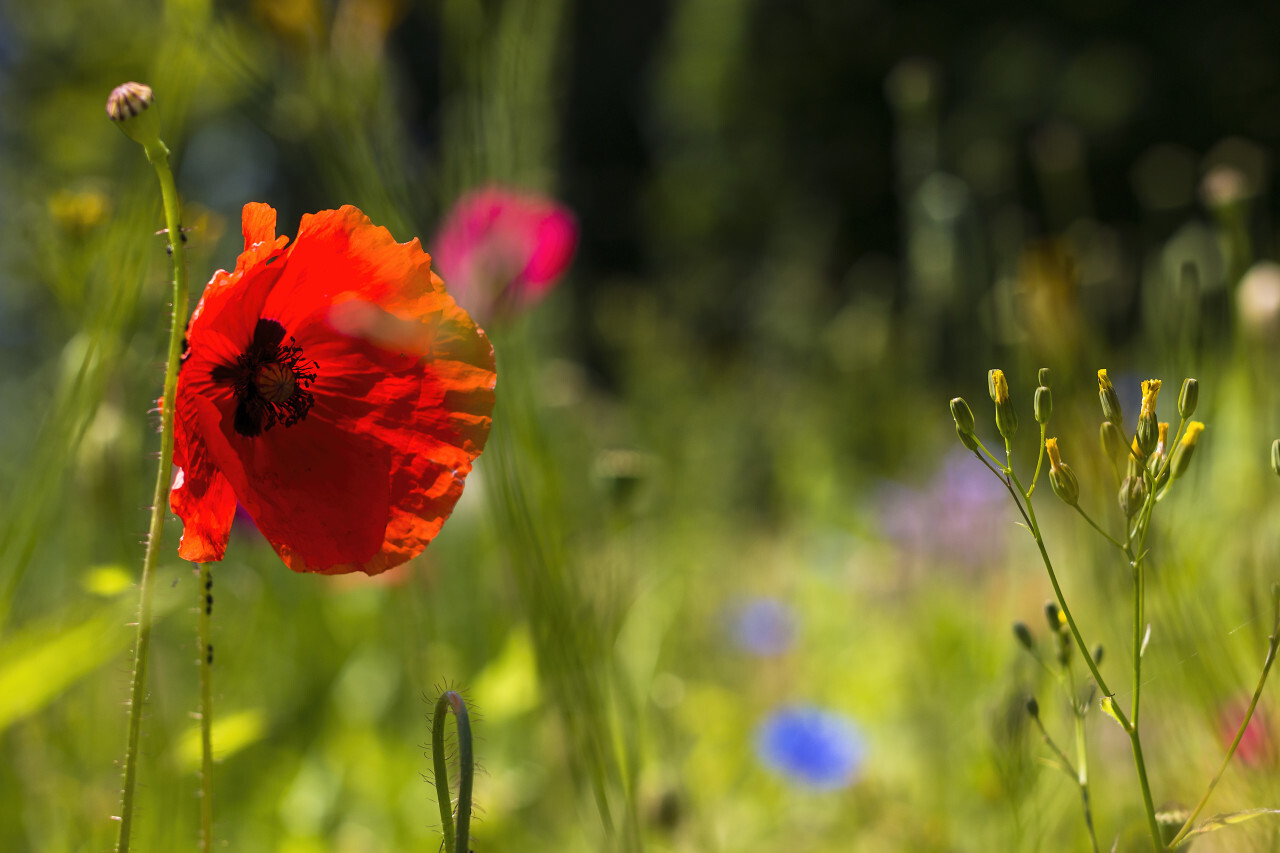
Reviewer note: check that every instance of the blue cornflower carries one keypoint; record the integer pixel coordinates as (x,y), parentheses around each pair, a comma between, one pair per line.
(763,626)
(811,746)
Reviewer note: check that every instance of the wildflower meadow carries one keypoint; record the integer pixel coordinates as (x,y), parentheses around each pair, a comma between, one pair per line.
(699,426)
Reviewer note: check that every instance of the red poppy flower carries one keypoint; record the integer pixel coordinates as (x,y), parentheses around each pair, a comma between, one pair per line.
(335,390)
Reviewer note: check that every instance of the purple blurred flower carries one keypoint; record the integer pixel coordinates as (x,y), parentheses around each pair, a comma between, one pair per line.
(813,747)
(500,250)
(958,517)
(763,626)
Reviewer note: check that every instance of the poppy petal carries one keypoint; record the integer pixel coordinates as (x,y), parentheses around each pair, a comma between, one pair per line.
(201,495)
(398,381)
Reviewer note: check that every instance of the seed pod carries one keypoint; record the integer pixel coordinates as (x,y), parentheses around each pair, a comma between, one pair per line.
(1043,404)
(1188,397)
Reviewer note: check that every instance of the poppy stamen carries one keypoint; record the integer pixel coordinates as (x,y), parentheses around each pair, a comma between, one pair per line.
(269,380)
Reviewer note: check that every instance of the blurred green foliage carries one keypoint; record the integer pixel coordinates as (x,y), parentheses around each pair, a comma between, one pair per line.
(805,226)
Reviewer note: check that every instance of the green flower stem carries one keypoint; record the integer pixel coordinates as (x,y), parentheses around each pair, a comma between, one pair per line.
(159,157)
(1044,429)
(1094,525)
(1132,730)
(206,709)
(1082,777)
(1244,724)
(455,841)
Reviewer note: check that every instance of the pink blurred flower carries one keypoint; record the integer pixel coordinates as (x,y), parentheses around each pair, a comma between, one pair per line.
(1258,746)
(502,250)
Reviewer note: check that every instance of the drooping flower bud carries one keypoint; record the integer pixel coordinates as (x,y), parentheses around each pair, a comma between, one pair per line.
(1061,477)
(1133,494)
(1188,397)
(1110,401)
(1033,707)
(1182,453)
(1148,433)
(1097,654)
(962,414)
(129,106)
(1043,404)
(1006,415)
(1023,635)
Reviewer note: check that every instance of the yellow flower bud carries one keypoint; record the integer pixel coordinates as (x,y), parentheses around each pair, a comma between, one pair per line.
(1147,429)
(1006,416)
(1061,477)
(1110,401)
(1182,453)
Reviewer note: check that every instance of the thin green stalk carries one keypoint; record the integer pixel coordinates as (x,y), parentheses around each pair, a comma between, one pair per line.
(206,709)
(1095,526)
(1132,730)
(456,835)
(1244,725)
(1044,430)
(1082,775)
(159,157)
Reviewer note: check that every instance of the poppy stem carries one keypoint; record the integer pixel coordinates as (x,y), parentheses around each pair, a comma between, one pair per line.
(455,840)
(206,708)
(159,157)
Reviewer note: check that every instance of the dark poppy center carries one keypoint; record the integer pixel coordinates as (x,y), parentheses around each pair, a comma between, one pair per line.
(269,380)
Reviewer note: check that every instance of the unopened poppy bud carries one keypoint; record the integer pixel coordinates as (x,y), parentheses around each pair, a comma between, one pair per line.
(1113,443)
(1181,459)
(1006,416)
(1043,377)
(1097,655)
(1188,397)
(1023,634)
(1043,404)
(962,414)
(1061,477)
(1275,456)
(1148,431)
(129,106)
(1033,707)
(1133,494)
(1053,615)
(1110,401)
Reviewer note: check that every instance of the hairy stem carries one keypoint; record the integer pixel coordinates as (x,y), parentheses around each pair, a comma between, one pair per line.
(159,157)
(206,709)
(456,834)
